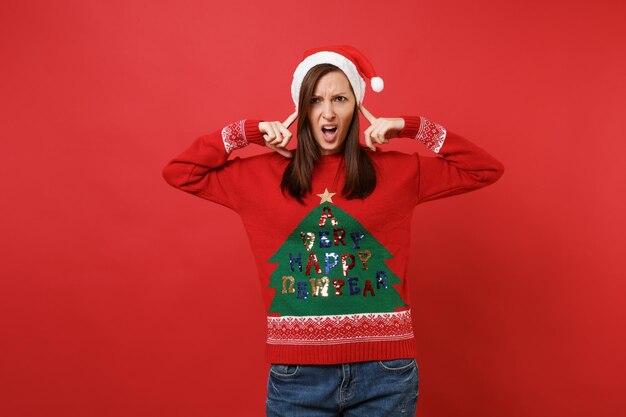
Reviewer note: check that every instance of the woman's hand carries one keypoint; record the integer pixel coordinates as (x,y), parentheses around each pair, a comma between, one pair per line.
(277,135)
(381,129)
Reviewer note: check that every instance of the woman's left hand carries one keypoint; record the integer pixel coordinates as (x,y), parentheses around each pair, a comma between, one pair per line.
(382,128)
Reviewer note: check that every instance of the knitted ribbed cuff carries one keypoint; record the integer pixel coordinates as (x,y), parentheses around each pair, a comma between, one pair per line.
(411,127)
(253,134)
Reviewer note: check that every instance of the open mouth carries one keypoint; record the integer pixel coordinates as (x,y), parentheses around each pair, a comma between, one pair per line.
(329,132)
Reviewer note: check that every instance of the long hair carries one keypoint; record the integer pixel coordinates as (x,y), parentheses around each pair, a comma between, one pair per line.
(359,169)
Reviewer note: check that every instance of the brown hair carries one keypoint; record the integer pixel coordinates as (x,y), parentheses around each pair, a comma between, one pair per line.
(359,168)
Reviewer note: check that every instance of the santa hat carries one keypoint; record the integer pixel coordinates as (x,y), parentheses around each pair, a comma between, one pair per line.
(348,59)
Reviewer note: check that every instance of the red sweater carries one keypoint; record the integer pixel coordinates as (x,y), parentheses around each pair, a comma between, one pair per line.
(333,271)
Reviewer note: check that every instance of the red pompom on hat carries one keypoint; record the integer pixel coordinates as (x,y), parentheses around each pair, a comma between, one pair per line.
(348,59)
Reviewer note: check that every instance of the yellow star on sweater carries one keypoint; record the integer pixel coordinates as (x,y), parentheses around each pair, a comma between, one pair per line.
(326,196)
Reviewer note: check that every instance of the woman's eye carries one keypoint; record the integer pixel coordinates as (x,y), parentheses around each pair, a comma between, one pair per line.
(340,98)
(315,100)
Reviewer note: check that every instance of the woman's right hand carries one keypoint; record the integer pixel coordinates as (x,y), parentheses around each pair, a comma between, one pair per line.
(277,135)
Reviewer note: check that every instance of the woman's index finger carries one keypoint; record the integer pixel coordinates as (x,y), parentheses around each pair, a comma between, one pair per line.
(291,119)
(369,116)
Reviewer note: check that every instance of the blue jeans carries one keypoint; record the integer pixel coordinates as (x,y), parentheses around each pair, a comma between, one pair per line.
(360,389)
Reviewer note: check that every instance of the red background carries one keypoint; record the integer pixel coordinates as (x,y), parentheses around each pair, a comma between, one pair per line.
(121,296)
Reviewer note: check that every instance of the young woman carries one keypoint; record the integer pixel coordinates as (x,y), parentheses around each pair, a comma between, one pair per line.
(329,226)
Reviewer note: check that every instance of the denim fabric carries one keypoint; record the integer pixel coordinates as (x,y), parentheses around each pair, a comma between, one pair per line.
(360,389)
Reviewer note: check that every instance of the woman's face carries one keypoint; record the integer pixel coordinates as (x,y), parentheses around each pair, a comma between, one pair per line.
(331,110)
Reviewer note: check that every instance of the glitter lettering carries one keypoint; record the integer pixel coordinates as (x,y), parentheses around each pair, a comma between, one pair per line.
(353,283)
(293,261)
(339,235)
(364,256)
(308,239)
(381,279)
(303,294)
(291,283)
(327,213)
(319,286)
(330,264)
(324,240)
(313,263)
(338,283)
(345,265)
(356,236)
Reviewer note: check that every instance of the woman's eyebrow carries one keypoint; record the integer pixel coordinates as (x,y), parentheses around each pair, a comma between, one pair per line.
(343,93)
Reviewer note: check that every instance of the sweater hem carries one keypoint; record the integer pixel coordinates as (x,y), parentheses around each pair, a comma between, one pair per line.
(340,353)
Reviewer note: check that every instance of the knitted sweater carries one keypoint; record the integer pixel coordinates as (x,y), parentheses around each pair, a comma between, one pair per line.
(332,271)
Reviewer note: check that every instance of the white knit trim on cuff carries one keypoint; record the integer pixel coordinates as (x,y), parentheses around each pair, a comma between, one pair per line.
(234,136)
(431,134)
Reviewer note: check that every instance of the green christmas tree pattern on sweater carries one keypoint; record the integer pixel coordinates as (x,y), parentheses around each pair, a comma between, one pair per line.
(333,285)
(330,264)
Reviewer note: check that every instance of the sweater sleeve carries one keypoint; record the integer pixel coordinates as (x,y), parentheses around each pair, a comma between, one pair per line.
(460,167)
(204,170)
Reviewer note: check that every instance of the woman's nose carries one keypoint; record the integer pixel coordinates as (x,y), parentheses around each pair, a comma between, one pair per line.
(328,111)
